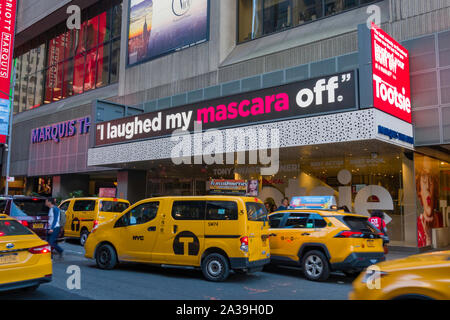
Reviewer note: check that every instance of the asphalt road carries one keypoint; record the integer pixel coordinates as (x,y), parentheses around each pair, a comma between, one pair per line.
(138,281)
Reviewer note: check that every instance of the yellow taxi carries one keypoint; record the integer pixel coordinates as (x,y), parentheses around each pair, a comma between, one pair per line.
(25,259)
(83,214)
(419,277)
(313,236)
(214,233)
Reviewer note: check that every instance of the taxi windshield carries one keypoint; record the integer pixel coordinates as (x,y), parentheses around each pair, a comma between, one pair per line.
(256,211)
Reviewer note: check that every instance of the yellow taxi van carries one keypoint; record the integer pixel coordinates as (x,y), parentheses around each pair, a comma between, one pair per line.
(25,259)
(214,233)
(83,214)
(315,236)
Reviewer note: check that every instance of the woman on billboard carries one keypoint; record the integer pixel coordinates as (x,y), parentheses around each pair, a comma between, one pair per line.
(427,185)
(252,189)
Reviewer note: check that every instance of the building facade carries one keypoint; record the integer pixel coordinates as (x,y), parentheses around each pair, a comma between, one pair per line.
(96,107)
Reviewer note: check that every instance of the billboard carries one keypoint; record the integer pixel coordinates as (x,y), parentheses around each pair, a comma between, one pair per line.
(391,80)
(158,27)
(4,119)
(324,95)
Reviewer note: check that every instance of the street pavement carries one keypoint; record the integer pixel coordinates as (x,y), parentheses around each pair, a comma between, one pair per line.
(144,282)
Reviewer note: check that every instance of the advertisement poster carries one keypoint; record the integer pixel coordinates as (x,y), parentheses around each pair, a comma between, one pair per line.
(391,79)
(427,187)
(158,27)
(4,119)
(107,192)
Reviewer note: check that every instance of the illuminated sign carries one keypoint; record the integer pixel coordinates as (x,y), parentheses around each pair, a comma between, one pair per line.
(320,203)
(391,79)
(56,132)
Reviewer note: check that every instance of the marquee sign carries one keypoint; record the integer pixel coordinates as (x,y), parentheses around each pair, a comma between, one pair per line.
(391,79)
(330,94)
(56,132)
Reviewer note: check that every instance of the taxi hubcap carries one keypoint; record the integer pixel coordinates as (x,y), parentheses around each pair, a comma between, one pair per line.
(314,266)
(104,256)
(214,268)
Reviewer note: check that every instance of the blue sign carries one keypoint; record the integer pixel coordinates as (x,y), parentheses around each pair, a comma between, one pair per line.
(320,203)
(4,116)
(395,135)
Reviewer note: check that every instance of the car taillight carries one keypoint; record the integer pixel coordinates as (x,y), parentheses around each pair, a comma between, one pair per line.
(24,223)
(95,226)
(349,234)
(1,234)
(244,244)
(40,249)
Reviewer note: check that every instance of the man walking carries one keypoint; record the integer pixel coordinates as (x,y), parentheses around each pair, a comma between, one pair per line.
(54,226)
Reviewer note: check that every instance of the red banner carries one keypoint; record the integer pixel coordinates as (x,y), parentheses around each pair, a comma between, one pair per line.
(391,80)
(7,29)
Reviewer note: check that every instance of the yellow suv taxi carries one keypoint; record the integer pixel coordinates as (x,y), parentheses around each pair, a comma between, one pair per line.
(215,233)
(419,277)
(83,214)
(25,259)
(321,240)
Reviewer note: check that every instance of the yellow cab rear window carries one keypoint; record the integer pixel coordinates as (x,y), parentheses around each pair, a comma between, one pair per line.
(256,211)
(113,206)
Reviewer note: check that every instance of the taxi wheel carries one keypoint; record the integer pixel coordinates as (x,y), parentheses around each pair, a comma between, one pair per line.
(83,237)
(215,267)
(106,257)
(315,266)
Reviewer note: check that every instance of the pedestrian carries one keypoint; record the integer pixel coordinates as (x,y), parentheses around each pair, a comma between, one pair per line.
(377,219)
(284,204)
(54,226)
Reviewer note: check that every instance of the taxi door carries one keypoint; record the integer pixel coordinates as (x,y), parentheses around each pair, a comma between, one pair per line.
(276,222)
(67,207)
(288,239)
(136,232)
(181,235)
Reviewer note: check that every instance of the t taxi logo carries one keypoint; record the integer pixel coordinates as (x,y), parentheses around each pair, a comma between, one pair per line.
(183,238)
(75,226)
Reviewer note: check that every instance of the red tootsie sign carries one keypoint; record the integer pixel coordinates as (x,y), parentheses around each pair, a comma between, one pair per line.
(391,80)
(7,26)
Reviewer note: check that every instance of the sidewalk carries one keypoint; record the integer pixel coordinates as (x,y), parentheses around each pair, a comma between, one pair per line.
(400,254)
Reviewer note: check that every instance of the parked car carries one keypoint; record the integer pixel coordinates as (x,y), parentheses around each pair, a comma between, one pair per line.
(83,214)
(25,259)
(214,233)
(30,212)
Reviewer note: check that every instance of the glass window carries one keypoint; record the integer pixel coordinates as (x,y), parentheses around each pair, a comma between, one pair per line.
(68,79)
(275,220)
(23,93)
(359,224)
(297,220)
(90,73)
(116,21)
(188,210)
(277,15)
(261,17)
(221,210)
(69,44)
(92,33)
(58,78)
(113,206)
(31,90)
(103,28)
(48,86)
(80,39)
(307,10)
(103,65)
(65,206)
(84,205)
(115,58)
(78,74)
(317,221)
(13,228)
(28,208)
(39,96)
(141,214)
(256,211)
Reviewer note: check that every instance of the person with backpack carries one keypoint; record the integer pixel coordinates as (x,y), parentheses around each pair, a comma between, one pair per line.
(377,219)
(54,225)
